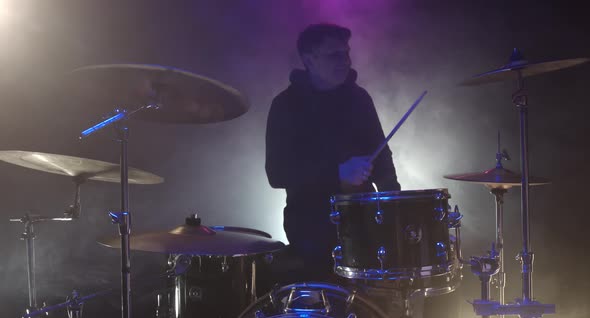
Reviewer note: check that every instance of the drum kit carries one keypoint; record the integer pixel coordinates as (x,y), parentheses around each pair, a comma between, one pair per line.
(401,243)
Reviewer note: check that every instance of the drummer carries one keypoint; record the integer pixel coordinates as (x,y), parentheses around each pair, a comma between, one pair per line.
(320,133)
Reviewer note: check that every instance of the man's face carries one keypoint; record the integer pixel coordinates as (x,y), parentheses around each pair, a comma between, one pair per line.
(330,62)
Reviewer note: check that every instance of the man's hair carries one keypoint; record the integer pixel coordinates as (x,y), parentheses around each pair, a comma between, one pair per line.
(315,34)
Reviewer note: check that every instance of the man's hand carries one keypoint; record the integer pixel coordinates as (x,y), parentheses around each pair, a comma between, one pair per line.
(355,171)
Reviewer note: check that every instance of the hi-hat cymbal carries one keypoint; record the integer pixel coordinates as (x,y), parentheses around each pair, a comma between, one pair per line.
(196,239)
(181,96)
(497,178)
(519,64)
(87,169)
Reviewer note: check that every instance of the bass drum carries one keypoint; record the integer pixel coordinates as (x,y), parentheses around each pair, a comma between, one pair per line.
(313,300)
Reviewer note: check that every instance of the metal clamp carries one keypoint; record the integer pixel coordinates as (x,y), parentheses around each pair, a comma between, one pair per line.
(335,217)
(454,218)
(439,213)
(441,252)
(337,253)
(381,255)
(379,217)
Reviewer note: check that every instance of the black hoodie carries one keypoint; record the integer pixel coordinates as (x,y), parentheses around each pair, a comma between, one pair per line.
(310,132)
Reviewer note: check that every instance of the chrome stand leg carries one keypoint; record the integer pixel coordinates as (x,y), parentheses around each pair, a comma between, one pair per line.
(125,224)
(123,219)
(28,236)
(500,278)
(520,100)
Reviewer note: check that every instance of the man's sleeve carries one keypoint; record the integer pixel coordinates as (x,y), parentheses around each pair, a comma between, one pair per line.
(286,165)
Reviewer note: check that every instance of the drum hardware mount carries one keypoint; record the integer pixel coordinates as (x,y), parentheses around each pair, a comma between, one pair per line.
(162,310)
(485,268)
(74,303)
(28,235)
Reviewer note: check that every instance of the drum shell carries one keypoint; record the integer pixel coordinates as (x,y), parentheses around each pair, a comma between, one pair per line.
(406,228)
(219,286)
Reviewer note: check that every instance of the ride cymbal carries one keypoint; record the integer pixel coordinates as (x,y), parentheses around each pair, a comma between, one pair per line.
(178,96)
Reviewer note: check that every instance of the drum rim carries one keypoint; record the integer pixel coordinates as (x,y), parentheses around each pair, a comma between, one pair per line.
(395,273)
(453,279)
(313,284)
(438,194)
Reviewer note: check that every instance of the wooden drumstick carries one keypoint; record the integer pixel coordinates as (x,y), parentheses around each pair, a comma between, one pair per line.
(399,124)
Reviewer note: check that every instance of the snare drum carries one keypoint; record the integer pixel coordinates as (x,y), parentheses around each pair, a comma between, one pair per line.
(401,237)
(313,300)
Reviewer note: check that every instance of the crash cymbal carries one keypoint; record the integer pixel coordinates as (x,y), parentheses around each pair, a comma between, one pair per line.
(196,239)
(497,178)
(518,63)
(87,169)
(181,96)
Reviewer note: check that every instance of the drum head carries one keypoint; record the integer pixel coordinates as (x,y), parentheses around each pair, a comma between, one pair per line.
(436,194)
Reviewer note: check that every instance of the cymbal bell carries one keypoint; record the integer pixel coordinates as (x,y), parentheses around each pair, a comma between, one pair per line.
(86,169)
(497,178)
(179,96)
(519,64)
(197,239)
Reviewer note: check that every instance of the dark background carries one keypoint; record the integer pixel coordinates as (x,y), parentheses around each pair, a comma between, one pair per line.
(399,49)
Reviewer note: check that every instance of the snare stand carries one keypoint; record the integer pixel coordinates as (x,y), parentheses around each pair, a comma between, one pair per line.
(498,190)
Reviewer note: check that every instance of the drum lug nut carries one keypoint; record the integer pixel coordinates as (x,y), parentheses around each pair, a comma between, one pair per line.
(337,253)
(224,265)
(195,293)
(439,214)
(379,217)
(454,218)
(335,217)
(441,251)
(381,254)
(268,258)
(441,196)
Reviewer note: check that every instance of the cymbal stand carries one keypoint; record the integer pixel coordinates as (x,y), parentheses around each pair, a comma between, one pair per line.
(525,307)
(29,236)
(520,100)
(500,278)
(498,191)
(122,217)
